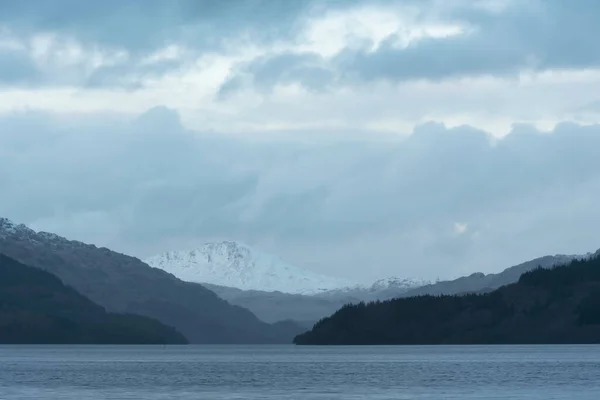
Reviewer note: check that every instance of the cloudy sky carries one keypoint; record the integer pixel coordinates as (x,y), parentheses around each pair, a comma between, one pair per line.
(361,139)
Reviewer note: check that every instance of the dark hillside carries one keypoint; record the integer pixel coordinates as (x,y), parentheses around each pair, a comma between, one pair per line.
(558,305)
(37,308)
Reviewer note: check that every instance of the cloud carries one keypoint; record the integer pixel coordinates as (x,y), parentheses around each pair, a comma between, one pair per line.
(264,73)
(111,43)
(147,184)
(48,60)
(457,40)
(525,36)
(17,68)
(145,25)
(312,44)
(416,138)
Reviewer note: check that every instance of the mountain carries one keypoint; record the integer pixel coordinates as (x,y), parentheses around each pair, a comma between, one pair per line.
(381,288)
(546,306)
(37,308)
(395,283)
(275,306)
(479,282)
(278,296)
(308,309)
(270,288)
(124,284)
(236,265)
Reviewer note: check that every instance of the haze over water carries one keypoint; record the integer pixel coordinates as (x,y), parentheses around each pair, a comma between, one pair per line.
(287,372)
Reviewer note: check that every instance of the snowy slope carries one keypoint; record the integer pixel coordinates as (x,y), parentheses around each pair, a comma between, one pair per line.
(7,227)
(239,266)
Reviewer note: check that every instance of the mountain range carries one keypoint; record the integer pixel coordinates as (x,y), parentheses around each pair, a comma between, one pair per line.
(206,309)
(124,284)
(306,310)
(269,287)
(275,291)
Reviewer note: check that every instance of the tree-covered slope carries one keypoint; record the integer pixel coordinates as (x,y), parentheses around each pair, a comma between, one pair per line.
(558,305)
(36,307)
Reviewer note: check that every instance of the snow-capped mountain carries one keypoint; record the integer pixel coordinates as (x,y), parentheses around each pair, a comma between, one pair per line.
(397,283)
(237,265)
(376,289)
(7,227)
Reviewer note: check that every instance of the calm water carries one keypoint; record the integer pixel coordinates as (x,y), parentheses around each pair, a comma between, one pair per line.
(287,372)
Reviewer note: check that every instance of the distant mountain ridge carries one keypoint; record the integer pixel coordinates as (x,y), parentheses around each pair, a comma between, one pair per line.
(308,306)
(124,284)
(274,306)
(239,266)
(479,282)
(377,289)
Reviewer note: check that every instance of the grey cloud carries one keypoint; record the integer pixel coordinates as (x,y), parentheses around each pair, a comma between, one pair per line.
(149,184)
(140,27)
(534,35)
(143,25)
(122,171)
(17,67)
(264,73)
(591,107)
(129,75)
(148,24)
(232,85)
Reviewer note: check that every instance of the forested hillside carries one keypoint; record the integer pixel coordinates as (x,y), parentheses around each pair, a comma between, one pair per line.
(558,305)
(37,308)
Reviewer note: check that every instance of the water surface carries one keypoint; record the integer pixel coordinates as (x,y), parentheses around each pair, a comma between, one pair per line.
(288,372)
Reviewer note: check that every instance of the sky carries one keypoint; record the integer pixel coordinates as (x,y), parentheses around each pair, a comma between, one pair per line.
(359,139)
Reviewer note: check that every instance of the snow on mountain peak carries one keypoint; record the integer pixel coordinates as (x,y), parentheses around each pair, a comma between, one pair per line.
(237,265)
(397,283)
(9,228)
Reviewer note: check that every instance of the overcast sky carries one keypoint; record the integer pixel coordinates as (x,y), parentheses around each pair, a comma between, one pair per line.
(361,139)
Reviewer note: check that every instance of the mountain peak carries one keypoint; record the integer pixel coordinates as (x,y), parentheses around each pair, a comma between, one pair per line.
(7,227)
(238,265)
(397,283)
(10,229)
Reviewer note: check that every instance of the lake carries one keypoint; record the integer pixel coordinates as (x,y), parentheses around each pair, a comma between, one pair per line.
(288,372)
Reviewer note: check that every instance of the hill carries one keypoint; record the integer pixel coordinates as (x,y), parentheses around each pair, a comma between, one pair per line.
(124,284)
(557,305)
(37,308)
